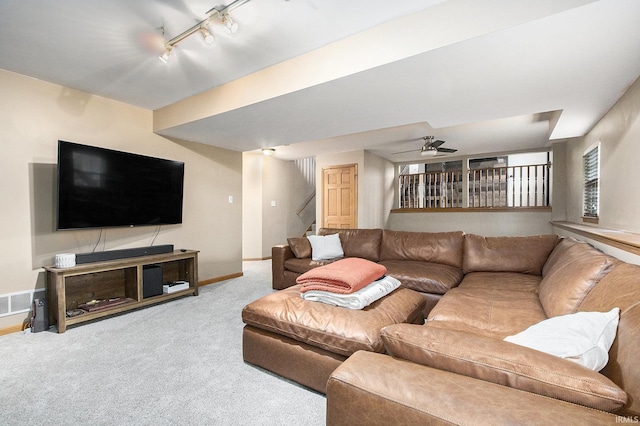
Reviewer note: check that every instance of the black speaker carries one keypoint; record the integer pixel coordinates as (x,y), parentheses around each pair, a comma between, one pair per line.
(101,256)
(39,316)
(151,280)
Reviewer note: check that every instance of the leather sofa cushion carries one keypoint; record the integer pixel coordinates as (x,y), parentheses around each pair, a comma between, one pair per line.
(495,313)
(499,281)
(571,271)
(623,357)
(437,247)
(526,255)
(374,389)
(424,277)
(621,288)
(503,363)
(338,330)
(301,266)
(300,247)
(364,243)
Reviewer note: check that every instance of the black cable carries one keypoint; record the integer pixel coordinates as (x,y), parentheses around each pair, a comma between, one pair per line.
(156,235)
(97,242)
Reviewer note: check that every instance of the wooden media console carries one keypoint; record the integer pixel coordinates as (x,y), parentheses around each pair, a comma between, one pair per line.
(114,286)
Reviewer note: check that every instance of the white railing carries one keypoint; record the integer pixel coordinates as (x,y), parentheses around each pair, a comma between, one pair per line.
(514,186)
(431,190)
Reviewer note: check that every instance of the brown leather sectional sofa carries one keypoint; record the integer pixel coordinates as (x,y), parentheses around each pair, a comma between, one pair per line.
(456,369)
(429,263)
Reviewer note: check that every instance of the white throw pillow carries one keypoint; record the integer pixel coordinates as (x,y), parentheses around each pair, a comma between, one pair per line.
(325,246)
(583,337)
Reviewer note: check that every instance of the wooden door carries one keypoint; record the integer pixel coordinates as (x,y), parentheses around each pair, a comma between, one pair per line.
(339,201)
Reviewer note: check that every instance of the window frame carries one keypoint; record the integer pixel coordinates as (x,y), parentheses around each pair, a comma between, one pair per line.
(591,184)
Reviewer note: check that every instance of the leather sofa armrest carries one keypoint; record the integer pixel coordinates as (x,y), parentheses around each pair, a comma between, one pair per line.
(279,254)
(376,389)
(503,363)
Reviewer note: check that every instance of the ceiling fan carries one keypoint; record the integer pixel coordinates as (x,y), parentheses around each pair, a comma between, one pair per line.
(430,148)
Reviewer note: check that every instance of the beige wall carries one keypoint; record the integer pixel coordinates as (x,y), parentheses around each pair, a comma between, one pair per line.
(266,180)
(252,206)
(378,192)
(559,178)
(33,116)
(489,224)
(619,135)
(276,205)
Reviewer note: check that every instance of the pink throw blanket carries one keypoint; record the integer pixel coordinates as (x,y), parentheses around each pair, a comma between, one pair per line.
(342,276)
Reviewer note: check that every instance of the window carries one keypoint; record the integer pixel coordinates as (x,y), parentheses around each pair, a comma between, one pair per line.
(591,165)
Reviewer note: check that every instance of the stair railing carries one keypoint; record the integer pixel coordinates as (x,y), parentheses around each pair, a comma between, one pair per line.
(306,202)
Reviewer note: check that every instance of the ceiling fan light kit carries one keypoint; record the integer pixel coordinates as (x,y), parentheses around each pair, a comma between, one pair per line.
(203,27)
(428,151)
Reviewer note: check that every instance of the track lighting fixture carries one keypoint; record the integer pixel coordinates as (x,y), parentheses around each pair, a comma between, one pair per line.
(206,35)
(232,26)
(203,27)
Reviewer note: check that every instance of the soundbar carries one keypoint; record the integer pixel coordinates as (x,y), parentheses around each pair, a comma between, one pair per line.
(101,256)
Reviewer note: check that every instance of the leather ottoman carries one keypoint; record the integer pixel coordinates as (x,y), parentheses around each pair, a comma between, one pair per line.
(305,341)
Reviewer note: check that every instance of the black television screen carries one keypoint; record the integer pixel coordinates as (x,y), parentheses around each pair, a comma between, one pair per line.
(99,188)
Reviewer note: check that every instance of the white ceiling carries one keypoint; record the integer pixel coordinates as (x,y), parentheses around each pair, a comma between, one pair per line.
(486,76)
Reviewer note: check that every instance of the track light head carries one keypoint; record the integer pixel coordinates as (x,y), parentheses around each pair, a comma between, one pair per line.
(206,34)
(231,25)
(165,55)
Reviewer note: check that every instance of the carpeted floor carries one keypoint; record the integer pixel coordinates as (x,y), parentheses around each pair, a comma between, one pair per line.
(179,363)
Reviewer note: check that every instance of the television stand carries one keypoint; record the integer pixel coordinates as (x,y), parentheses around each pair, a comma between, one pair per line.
(114,286)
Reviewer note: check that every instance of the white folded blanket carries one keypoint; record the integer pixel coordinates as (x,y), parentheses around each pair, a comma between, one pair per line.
(358,299)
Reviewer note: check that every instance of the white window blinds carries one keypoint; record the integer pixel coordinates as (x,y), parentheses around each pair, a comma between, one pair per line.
(591,162)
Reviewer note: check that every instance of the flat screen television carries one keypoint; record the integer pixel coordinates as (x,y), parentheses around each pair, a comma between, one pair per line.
(99,188)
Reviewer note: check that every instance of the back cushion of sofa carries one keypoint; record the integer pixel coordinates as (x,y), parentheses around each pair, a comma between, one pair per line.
(436,247)
(364,243)
(620,288)
(571,271)
(526,255)
(300,247)
(622,367)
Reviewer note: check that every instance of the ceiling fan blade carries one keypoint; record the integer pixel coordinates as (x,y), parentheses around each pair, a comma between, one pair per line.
(437,143)
(446,150)
(403,152)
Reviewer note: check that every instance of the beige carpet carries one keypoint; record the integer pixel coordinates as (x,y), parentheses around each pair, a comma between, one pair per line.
(179,363)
